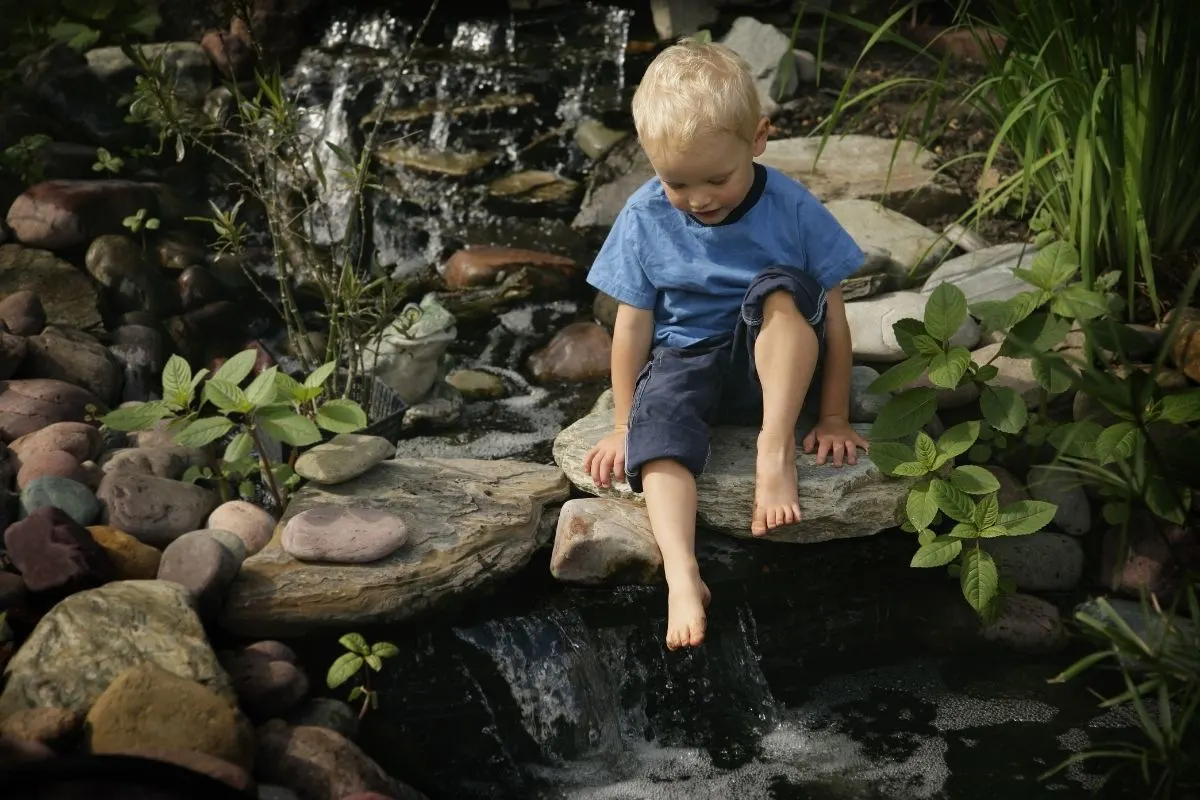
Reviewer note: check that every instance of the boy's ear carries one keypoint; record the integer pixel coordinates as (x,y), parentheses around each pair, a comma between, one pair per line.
(760,136)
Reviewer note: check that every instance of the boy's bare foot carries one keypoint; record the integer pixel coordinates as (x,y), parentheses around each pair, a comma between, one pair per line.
(776,499)
(687,599)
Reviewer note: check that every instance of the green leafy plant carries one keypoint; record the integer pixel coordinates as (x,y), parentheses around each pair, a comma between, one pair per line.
(204,408)
(1159,666)
(1089,99)
(140,221)
(20,159)
(107,162)
(360,659)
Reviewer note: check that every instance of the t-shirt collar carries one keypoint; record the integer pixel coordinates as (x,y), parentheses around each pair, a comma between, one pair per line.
(743,208)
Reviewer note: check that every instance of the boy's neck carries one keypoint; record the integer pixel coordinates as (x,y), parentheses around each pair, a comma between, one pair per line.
(742,208)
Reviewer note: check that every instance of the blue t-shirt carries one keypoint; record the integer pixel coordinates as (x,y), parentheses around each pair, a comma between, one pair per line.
(694,276)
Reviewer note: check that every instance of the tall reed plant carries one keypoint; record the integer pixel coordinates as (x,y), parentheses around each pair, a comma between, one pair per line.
(1098,101)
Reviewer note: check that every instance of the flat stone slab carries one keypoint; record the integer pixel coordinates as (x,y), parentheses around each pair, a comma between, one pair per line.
(837,503)
(469,523)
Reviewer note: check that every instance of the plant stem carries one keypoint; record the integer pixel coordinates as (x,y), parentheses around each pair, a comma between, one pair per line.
(265,467)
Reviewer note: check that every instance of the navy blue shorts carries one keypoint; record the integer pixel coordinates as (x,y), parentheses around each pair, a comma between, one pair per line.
(683,391)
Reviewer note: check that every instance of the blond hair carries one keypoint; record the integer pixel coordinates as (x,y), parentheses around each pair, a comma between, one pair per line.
(694,89)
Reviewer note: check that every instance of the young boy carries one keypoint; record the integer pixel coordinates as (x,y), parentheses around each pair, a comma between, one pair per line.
(727,277)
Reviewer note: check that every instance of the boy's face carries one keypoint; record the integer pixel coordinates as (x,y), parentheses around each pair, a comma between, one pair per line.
(712,175)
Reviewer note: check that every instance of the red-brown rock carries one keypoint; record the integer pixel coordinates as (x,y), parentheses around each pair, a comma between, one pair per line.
(80,439)
(50,462)
(581,351)
(22,313)
(57,215)
(482,266)
(54,553)
(30,405)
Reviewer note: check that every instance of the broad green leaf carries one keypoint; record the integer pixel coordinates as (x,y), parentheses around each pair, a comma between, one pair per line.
(986,373)
(964,530)
(385,649)
(974,480)
(987,512)
(921,507)
(1035,334)
(925,449)
(1080,303)
(905,414)
(355,643)
(1003,408)
(925,536)
(239,447)
(289,388)
(938,553)
(945,312)
(926,345)
(888,455)
(263,389)
(1026,516)
(958,439)
(318,376)
(287,426)
(900,375)
(203,431)
(226,396)
(1052,372)
(1183,407)
(1001,315)
(980,453)
(993,532)
(1167,499)
(177,381)
(341,416)
(1054,265)
(237,367)
(374,662)
(955,503)
(200,375)
(1076,439)
(910,469)
(193,474)
(906,331)
(979,579)
(1116,442)
(136,418)
(343,669)
(357,691)
(947,369)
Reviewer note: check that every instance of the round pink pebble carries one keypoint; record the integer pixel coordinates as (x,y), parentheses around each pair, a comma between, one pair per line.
(343,535)
(58,463)
(248,522)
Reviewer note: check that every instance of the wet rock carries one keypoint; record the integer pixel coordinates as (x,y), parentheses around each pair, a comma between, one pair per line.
(840,503)
(157,435)
(56,554)
(12,591)
(266,687)
(253,525)
(343,458)
(79,439)
(132,560)
(59,81)
(1156,558)
(169,461)
(72,497)
(326,712)
(763,47)
(442,409)
(72,356)
(131,281)
(436,162)
(602,541)
(1029,625)
(477,385)
(13,350)
(202,763)
(67,295)
(343,535)
(912,246)
(985,274)
(22,312)
(57,728)
(317,764)
(187,62)
(1012,489)
(579,352)
(871,325)
(203,332)
(864,406)
(232,55)
(477,266)
(178,250)
(1185,347)
(203,566)
(273,649)
(155,510)
(535,192)
(595,140)
(1040,562)
(470,523)
(198,288)
(1065,490)
(86,640)
(59,215)
(147,703)
(141,352)
(58,463)
(856,167)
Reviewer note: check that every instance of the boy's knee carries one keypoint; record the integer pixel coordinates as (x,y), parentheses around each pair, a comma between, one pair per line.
(782,301)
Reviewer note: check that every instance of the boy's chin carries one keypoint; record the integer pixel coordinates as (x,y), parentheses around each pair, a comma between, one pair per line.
(712,217)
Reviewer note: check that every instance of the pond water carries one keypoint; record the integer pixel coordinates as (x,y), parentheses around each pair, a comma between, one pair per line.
(820,678)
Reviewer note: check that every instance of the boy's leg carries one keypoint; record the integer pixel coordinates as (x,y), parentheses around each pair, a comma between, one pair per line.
(666,447)
(780,335)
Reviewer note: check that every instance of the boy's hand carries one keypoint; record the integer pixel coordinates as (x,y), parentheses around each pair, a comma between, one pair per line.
(607,458)
(833,435)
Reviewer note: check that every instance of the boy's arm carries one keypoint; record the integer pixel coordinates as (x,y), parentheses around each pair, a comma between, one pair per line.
(839,359)
(633,333)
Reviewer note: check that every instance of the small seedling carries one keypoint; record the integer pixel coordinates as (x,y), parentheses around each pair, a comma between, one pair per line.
(360,659)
